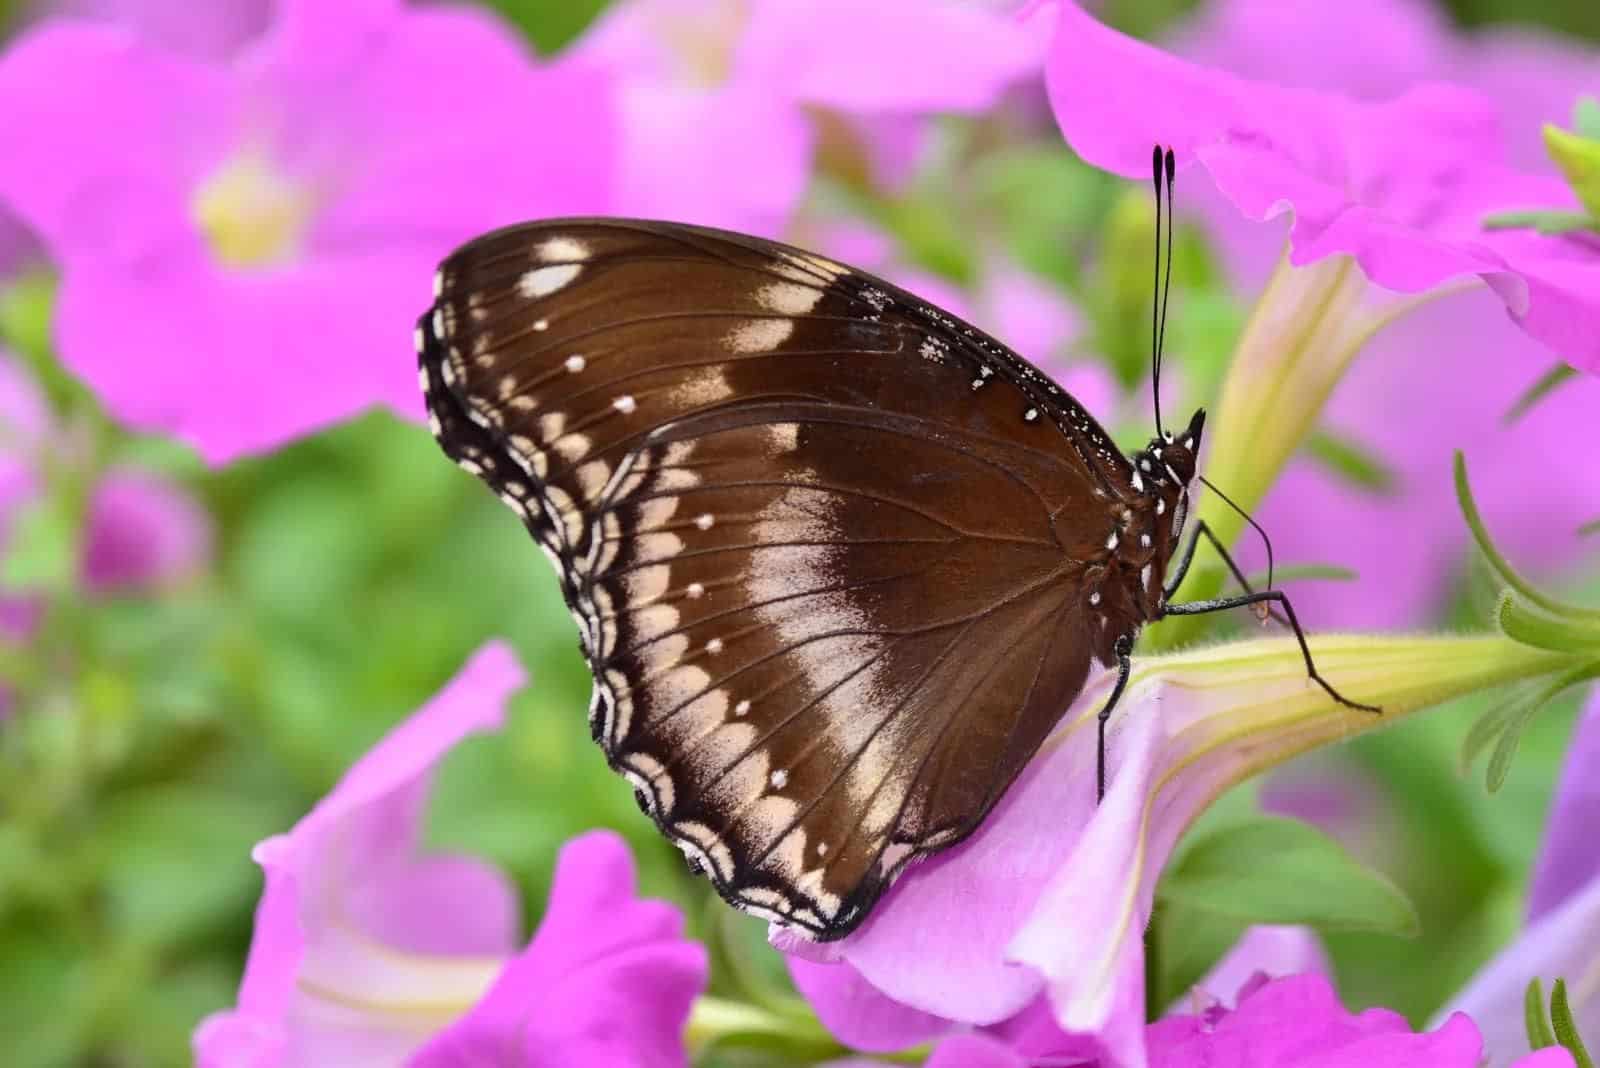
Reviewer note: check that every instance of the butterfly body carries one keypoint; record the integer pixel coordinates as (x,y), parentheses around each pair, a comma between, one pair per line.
(838,560)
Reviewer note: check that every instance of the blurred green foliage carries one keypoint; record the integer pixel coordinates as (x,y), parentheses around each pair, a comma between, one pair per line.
(357,569)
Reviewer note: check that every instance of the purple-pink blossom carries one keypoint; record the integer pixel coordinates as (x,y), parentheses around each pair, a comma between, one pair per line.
(1400,185)
(369,949)
(744,84)
(243,243)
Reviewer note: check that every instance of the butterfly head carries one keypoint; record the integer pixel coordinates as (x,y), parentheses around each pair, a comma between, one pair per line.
(1171,457)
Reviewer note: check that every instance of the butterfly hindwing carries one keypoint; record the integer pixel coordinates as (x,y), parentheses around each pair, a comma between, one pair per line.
(808,526)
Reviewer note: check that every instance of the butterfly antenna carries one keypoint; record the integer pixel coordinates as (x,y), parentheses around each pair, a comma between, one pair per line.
(1156,317)
(1248,519)
(1166,284)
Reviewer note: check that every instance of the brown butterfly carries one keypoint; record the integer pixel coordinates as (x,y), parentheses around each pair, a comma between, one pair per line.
(838,560)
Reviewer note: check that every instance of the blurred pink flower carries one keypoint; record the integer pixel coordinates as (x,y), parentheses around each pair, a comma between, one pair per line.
(367,950)
(142,530)
(1401,186)
(1562,937)
(744,82)
(243,245)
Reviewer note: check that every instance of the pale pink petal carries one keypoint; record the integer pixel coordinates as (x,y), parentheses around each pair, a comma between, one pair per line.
(339,883)
(887,56)
(858,1013)
(748,170)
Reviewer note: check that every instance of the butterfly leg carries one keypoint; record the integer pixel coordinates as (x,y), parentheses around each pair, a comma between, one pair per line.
(1124,646)
(1175,579)
(1281,599)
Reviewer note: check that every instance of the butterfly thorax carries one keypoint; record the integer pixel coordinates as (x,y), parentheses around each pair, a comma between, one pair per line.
(1125,583)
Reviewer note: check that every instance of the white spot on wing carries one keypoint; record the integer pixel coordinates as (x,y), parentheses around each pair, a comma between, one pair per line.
(576,363)
(624,404)
(542,281)
(758,335)
(788,298)
(558,249)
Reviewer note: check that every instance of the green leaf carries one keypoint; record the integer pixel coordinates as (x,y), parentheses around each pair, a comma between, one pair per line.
(1539,1034)
(1567,1030)
(1352,461)
(549,26)
(1559,374)
(1591,527)
(1274,870)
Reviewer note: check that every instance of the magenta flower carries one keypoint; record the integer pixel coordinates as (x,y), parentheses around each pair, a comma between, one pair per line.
(1400,186)
(243,245)
(1562,938)
(746,83)
(864,1018)
(369,951)
(1051,896)
(1376,49)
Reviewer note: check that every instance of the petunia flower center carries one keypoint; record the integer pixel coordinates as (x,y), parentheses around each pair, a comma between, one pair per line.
(250,213)
(703,41)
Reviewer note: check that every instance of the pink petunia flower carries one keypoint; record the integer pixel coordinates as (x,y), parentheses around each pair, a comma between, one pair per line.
(1400,186)
(369,951)
(864,1018)
(243,244)
(753,85)
(1562,937)
(1052,894)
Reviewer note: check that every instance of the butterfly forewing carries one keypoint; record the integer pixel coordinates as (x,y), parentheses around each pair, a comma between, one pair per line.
(810,528)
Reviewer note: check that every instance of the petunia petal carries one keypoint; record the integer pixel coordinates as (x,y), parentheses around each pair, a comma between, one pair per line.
(607,980)
(858,1013)
(887,56)
(344,865)
(1568,860)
